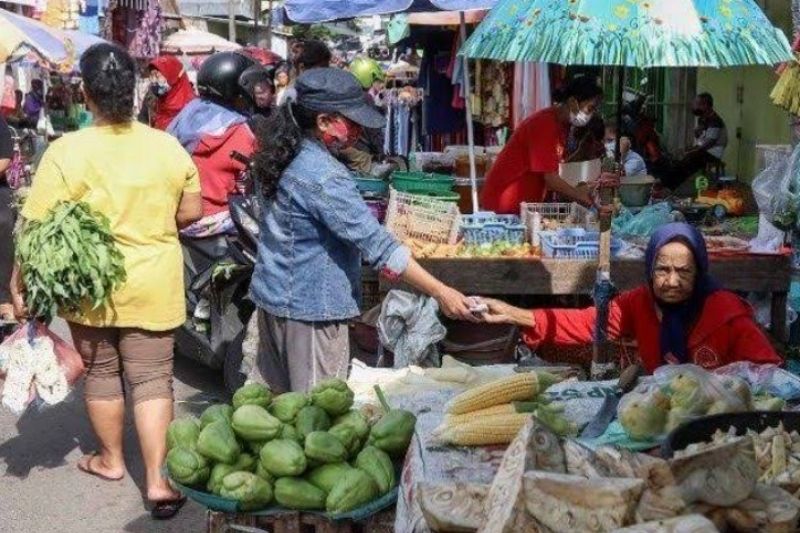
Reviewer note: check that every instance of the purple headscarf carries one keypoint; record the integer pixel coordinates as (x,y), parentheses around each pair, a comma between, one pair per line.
(678,319)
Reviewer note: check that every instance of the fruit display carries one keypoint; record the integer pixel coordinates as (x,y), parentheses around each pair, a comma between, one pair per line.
(495,412)
(306,452)
(681,393)
(425,250)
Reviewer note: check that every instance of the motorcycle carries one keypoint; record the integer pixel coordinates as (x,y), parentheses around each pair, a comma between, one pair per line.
(217,272)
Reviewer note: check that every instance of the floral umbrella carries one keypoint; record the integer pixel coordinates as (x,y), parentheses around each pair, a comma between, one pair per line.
(631,33)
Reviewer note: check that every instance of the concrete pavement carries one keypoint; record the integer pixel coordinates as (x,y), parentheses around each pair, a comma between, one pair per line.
(41,490)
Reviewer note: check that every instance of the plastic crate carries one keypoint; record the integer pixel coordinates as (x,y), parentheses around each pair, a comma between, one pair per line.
(486,228)
(563,214)
(482,217)
(369,186)
(421,217)
(422,183)
(575,243)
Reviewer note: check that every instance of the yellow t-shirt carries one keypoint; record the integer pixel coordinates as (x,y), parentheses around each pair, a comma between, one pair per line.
(135,176)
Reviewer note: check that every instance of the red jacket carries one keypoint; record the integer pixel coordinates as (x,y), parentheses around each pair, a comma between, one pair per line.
(725,332)
(218,170)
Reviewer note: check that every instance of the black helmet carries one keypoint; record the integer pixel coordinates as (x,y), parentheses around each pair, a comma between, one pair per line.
(218,78)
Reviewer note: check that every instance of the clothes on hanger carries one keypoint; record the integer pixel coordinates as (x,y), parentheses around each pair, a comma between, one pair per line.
(531,90)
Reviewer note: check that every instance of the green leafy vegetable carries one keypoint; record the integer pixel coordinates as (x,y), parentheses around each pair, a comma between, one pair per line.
(69,259)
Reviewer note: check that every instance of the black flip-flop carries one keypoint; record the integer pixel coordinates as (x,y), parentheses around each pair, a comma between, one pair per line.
(166,509)
(92,472)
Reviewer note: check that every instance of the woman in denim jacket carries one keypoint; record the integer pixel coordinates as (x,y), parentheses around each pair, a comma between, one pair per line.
(315,232)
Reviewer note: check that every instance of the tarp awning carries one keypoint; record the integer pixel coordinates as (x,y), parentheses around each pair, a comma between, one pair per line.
(310,11)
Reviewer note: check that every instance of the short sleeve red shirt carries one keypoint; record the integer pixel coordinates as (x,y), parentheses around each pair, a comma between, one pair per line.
(536,148)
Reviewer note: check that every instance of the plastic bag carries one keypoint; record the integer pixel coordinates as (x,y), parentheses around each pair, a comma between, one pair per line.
(675,394)
(777,191)
(644,223)
(38,365)
(409,326)
(769,379)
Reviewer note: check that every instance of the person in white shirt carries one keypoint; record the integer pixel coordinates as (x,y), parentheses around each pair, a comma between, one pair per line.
(632,162)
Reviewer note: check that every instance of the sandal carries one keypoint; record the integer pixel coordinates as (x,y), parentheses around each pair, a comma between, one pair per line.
(86,468)
(166,509)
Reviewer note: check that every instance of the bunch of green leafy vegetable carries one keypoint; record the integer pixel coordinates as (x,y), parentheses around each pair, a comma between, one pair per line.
(69,259)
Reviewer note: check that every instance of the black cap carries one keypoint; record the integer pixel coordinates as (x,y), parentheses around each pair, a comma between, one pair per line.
(333,90)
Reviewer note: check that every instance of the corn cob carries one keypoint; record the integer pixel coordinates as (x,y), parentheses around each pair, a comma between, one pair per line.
(523,386)
(502,409)
(481,431)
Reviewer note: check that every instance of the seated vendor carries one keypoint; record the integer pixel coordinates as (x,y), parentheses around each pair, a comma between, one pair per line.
(680,316)
(632,162)
(527,168)
(710,141)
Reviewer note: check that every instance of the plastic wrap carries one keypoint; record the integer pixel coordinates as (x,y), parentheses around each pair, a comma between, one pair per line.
(38,367)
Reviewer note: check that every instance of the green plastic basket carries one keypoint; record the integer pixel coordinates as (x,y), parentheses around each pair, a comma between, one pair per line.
(207,499)
(422,183)
(370,186)
(225,505)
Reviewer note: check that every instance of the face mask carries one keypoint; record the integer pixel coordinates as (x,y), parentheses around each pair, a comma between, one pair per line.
(580,119)
(611,148)
(159,88)
(342,134)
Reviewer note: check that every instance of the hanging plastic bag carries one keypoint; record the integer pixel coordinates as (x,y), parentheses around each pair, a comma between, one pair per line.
(777,191)
(38,366)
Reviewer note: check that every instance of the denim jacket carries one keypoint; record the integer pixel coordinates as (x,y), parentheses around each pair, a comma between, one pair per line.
(315,232)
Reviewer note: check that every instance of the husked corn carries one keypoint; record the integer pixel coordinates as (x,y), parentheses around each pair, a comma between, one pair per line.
(522,386)
(481,431)
(502,409)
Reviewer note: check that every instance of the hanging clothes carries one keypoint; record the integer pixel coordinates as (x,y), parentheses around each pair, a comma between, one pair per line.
(455,71)
(495,88)
(439,116)
(531,90)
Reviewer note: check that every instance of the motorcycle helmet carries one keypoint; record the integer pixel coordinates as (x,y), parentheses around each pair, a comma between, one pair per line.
(366,70)
(218,78)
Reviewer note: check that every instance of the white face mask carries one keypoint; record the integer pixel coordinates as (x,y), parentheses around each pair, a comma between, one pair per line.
(579,119)
(611,148)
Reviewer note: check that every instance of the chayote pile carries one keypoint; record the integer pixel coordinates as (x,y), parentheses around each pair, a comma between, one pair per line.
(307,452)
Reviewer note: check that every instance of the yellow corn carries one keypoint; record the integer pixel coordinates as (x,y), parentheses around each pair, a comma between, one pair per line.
(502,409)
(522,386)
(481,430)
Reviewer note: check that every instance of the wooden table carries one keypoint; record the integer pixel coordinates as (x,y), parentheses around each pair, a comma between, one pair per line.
(750,273)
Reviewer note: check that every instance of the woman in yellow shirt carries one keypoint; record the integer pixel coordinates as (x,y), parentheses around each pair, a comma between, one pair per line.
(146,184)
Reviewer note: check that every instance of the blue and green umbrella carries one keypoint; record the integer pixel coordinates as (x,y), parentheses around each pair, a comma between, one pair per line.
(630,33)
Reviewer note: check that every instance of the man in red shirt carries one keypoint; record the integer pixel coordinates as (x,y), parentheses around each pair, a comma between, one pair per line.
(528,165)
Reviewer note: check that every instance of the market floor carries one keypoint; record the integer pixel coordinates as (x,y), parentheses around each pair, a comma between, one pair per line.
(41,491)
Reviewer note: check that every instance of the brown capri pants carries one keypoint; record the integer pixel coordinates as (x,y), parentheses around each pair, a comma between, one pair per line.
(115,355)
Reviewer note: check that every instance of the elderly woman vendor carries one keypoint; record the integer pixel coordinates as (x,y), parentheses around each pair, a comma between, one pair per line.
(680,316)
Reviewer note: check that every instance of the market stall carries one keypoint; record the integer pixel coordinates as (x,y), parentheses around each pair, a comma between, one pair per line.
(502,276)
(480,461)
